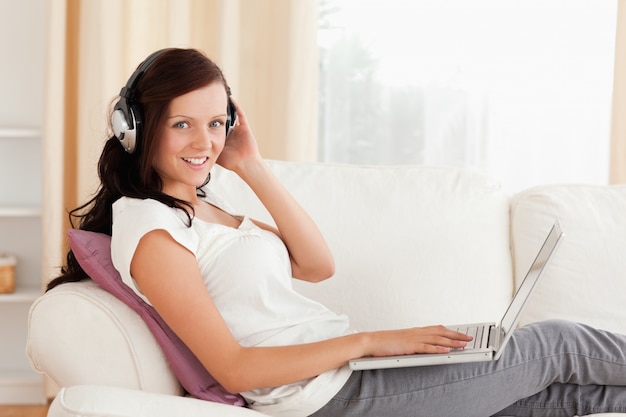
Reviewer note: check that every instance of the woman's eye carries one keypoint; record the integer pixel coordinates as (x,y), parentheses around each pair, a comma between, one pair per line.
(181,125)
(216,123)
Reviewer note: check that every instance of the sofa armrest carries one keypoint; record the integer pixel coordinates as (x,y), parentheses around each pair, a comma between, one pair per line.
(104,401)
(80,334)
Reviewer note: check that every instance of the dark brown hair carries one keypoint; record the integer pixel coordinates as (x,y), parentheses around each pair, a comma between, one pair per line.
(174,72)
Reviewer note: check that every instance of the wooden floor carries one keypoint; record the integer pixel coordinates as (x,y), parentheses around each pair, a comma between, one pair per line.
(23,410)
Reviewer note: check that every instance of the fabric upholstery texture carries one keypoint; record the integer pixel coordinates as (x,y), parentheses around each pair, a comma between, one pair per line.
(82,400)
(586,280)
(79,333)
(92,251)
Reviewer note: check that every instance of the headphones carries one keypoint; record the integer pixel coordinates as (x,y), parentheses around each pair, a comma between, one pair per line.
(127,115)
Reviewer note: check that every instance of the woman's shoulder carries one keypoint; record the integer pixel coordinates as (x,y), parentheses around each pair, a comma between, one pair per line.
(144,203)
(147,210)
(149,204)
(133,218)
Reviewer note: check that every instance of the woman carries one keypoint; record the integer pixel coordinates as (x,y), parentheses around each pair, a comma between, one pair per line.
(223,282)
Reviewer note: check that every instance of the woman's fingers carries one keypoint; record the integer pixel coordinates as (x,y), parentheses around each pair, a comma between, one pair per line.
(431,339)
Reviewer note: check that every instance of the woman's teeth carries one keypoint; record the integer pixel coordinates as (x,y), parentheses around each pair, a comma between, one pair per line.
(196,161)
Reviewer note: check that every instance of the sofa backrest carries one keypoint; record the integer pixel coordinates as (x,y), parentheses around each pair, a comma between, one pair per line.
(412,245)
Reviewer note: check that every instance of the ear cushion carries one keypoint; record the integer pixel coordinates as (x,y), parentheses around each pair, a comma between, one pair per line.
(126,119)
(125,126)
(231,118)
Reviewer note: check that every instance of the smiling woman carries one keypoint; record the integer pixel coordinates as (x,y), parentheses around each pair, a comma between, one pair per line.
(490,85)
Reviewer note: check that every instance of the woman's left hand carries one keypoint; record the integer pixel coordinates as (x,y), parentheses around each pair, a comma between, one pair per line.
(240,145)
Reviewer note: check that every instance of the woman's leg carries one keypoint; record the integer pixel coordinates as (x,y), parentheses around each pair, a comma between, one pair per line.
(542,363)
(569,400)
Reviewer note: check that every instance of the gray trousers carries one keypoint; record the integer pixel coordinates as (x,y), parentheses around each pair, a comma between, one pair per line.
(553,368)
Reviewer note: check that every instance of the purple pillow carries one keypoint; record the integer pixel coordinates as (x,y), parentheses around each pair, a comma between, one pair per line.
(93,253)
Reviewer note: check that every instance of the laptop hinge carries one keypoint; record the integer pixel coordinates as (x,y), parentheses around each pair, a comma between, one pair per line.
(491,341)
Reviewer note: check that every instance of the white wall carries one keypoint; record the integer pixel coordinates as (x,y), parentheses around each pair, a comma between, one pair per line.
(22,57)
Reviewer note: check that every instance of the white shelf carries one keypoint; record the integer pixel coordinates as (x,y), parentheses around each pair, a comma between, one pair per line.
(19,133)
(17,211)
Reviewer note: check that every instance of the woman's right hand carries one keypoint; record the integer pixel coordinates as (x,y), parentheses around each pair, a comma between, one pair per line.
(431,339)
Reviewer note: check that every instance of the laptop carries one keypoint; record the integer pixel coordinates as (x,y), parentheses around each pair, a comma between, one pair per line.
(489,339)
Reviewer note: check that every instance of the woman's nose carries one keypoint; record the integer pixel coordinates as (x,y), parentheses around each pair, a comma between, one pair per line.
(203,139)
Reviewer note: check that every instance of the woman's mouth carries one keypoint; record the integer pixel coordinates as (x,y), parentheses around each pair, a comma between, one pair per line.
(196,161)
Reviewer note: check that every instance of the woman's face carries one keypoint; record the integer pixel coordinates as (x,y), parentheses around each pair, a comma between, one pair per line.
(193,138)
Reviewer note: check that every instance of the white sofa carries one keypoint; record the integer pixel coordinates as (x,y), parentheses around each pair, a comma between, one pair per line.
(413,246)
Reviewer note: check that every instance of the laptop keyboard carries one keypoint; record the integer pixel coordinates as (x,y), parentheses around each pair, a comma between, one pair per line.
(475,331)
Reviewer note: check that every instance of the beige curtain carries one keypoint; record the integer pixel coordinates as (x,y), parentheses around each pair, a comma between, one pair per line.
(618,127)
(267,50)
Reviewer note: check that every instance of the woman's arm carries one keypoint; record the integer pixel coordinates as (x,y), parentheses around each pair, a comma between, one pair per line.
(311,259)
(168,275)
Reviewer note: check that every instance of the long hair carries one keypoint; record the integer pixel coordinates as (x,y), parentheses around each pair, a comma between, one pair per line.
(174,72)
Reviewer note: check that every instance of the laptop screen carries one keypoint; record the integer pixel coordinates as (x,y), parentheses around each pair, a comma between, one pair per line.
(514,312)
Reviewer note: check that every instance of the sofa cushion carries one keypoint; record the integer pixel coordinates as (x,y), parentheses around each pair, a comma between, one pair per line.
(586,280)
(92,251)
(107,401)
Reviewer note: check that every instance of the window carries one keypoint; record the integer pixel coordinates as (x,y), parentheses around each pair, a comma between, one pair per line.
(518,89)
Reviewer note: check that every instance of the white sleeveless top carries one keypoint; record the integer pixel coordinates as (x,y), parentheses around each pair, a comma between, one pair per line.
(248,274)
